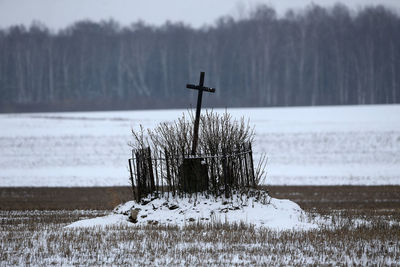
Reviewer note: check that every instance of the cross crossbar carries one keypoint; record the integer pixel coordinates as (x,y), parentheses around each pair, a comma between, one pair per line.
(198,87)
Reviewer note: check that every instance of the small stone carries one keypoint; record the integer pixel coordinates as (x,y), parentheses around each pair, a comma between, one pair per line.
(173,207)
(134,214)
(224,210)
(145,201)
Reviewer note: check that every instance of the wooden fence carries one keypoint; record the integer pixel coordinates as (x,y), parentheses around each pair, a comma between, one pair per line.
(181,175)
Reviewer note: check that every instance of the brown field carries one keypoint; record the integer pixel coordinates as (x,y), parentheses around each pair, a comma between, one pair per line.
(317,198)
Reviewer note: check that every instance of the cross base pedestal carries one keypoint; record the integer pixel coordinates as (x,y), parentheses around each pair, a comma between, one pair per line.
(193,175)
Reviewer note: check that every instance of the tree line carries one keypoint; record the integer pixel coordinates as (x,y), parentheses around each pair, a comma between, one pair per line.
(317,56)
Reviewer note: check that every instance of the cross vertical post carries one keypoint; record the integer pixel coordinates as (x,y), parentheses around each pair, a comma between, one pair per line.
(200,88)
(197,120)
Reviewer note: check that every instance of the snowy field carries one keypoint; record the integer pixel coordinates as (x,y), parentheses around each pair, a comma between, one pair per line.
(40,238)
(349,145)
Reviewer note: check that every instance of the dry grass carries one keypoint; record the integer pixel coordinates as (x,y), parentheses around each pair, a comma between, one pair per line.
(358,225)
(38,238)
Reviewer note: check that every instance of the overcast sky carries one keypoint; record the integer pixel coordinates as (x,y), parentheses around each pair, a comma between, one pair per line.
(58,14)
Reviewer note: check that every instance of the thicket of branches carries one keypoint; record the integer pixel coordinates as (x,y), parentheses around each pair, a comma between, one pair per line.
(218,133)
(312,57)
(220,138)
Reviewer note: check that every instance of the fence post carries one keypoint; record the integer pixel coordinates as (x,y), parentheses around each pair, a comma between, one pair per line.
(157,185)
(131,175)
(138,177)
(240,158)
(168,171)
(161,175)
(150,168)
(226,189)
(252,165)
(246,167)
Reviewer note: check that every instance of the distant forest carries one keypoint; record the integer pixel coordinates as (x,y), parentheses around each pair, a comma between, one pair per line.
(316,56)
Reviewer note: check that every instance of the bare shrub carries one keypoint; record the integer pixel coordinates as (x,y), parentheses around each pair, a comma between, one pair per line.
(172,138)
(217,133)
(222,143)
(221,133)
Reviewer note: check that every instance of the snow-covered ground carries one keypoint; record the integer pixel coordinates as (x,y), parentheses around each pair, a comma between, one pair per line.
(40,238)
(259,211)
(358,145)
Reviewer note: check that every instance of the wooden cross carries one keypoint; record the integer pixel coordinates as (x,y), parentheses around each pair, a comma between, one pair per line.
(200,88)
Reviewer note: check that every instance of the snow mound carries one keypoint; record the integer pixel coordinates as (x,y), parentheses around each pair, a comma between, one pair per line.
(109,220)
(256,208)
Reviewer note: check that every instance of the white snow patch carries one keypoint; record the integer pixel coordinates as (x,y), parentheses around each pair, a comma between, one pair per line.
(264,211)
(108,220)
